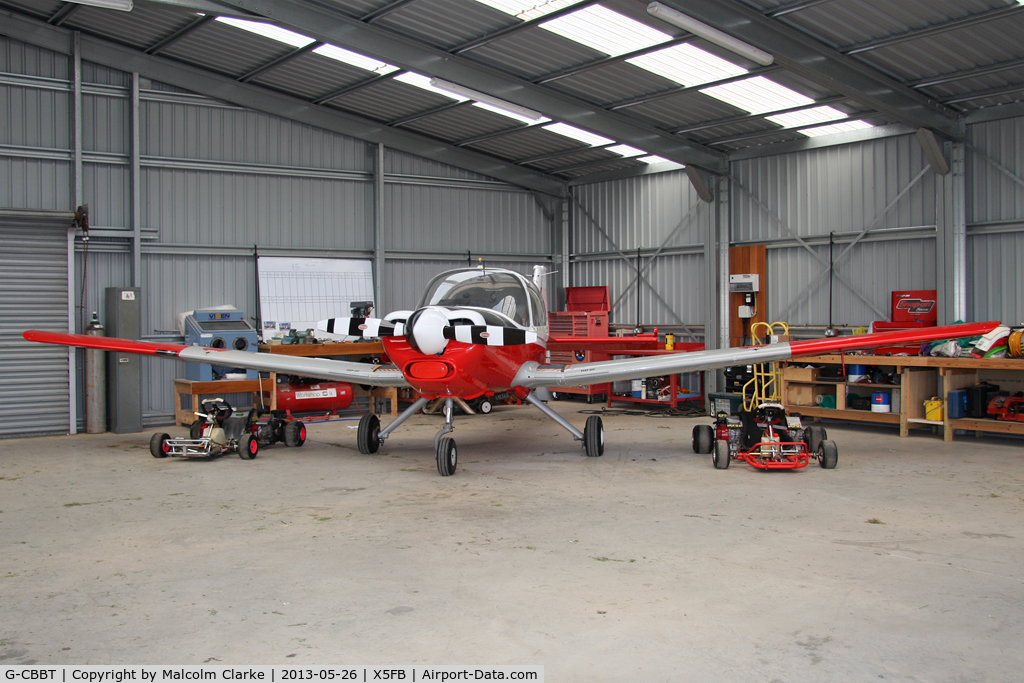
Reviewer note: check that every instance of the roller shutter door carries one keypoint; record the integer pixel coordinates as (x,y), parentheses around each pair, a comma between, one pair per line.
(34,382)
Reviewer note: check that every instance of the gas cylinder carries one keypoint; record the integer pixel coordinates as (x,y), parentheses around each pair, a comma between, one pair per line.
(315,396)
(95,382)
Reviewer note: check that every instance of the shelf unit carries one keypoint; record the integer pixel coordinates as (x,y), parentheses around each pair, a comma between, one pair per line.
(920,379)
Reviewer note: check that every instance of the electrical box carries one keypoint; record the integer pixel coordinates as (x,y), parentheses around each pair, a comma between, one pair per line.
(746,311)
(124,370)
(745,283)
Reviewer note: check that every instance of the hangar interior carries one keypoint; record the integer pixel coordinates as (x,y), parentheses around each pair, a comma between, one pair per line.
(587,136)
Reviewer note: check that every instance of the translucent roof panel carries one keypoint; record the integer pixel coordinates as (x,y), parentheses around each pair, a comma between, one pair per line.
(687,65)
(579,134)
(843,127)
(277,33)
(528,9)
(626,150)
(806,117)
(606,31)
(757,95)
(355,59)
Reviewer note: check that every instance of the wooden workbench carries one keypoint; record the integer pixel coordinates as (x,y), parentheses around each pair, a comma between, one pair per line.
(219,388)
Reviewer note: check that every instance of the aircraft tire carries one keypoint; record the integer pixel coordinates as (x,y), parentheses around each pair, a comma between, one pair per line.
(593,437)
(828,455)
(294,433)
(447,456)
(703,439)
(368,436)
(248,447)
(721,457)
(485,407)
(157,445)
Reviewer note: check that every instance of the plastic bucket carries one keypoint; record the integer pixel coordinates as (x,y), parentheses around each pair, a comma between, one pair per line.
(636,387)
(855,373)
(933,409)
(881,402)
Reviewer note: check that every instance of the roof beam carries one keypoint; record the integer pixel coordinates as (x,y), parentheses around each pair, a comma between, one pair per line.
(934,29)
(332,26)
(824,66)
(257,98)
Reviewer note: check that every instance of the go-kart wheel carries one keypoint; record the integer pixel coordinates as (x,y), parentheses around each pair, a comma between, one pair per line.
(828,454)
(721,457)
(368,436)
(484,408)
(814,435)
(294,433)
(248,447)
(593,437)
(447,456)
(195,430)
(158,447)
(703,439)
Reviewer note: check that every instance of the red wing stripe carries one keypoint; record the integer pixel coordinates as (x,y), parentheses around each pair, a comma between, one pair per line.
(106,343)
(815,347)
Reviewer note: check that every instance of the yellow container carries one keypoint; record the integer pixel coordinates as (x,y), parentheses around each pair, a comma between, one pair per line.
(670,342)
(933,409)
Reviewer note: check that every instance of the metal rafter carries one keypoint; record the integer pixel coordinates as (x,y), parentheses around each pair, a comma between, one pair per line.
(274,63)
(954,76)
(520,27)
(704,125)
(328,25)
(933,30)
(828,68)
(63,14)
(174,37)
(251,96)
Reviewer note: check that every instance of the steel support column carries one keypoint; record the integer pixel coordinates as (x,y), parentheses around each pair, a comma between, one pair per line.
(951,234)
(136,183)
(378,228)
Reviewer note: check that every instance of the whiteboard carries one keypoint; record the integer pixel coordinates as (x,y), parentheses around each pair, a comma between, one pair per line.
(296,293)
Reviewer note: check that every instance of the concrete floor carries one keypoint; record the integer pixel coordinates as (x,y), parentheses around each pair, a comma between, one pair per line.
(905,563)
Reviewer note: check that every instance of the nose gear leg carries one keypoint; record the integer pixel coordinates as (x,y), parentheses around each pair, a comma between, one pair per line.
(449,418)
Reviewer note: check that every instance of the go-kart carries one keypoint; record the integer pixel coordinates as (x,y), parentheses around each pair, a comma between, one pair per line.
(221,431)
(767,439)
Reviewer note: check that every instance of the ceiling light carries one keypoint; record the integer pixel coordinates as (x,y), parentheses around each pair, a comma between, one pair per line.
(528,9)
(757,95)
(528,120)
(806,117)
(277,33)
(424,82)
(843,127)
(606,31)
(687,65)
(709,33)
(355,59)
(123,5)
(626,151)
(579,134)
(502,107)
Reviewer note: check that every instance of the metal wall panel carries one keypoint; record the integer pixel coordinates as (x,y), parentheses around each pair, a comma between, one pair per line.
(993,270)
(35,117)
(106,122)
(21,58)
(33,377)
(400,163)
(107,191)
(35,183)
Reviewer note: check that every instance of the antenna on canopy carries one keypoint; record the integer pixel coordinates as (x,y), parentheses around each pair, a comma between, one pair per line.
(483,266)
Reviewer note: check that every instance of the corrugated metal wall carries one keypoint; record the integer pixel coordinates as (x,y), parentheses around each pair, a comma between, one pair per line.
(216,180)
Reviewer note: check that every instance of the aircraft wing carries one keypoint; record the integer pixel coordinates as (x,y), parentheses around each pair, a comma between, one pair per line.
(321,368)
(533,374)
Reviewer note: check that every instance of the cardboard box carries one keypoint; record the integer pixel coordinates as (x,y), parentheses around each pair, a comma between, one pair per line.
(808,394)
(793,374)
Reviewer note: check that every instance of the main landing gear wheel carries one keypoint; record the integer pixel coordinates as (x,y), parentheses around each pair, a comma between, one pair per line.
(703,439)
(248,447)
(828,454)
(447,456)
(158,447)
(815,434)
(368,436)
(593,437)
(484,408)
(294,433)
(721,456)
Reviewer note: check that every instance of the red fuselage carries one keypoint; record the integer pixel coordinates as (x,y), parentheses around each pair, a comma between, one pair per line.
(462,370)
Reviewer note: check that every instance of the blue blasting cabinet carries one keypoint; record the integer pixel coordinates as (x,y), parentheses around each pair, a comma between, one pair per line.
(219,329)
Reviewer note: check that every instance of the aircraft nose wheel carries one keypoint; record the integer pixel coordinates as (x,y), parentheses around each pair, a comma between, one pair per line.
(368,435)
(593,437)
(447,456)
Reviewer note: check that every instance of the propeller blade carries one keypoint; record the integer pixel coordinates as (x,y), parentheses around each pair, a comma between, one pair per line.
(366,328)
(491,335)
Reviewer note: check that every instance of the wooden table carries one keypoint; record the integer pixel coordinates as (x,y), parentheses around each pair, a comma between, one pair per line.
(195,389)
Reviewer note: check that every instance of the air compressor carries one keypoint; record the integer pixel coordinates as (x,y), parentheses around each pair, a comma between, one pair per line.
(307,395)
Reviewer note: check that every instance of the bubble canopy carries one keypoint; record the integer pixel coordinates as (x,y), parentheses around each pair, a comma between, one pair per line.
(501,291)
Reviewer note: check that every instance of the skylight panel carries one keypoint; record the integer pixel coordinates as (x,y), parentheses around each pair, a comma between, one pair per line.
(579,134)
(626,151)
(757,95)
(424,82)
(355,59)
(843,127)
(687,65)
(654,159)
(277,33)
(606,31)
(807,117)
(529,120)
(528,9)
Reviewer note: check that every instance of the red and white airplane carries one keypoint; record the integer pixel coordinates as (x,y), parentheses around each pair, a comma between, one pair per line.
(482,331)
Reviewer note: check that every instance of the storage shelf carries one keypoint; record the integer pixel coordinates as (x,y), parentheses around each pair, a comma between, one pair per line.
(858,415)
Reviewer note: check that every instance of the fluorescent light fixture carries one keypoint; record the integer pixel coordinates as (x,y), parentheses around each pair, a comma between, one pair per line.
(606,31)
(709,33)
(528,120)
(687,65)
(423,82)
(834,128)
(579,134)
(528,9)
(626,151)
(355,59)
(494,103)
(807,117)
(757,95)
(123,5)
(277,33)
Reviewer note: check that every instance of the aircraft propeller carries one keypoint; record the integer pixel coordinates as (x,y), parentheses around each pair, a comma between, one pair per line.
(491,335)
(367,328)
